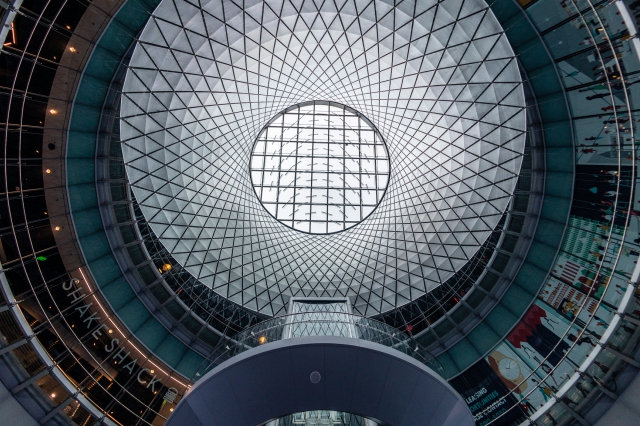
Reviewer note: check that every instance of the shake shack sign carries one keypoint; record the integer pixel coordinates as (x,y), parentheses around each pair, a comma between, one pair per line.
(116,349)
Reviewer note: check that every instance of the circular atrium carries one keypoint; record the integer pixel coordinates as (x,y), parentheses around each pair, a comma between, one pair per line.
(320,212)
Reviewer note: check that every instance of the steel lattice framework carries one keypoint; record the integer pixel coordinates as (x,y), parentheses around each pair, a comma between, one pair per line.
(438,80)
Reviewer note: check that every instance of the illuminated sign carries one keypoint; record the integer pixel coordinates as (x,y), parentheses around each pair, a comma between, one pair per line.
(94,321)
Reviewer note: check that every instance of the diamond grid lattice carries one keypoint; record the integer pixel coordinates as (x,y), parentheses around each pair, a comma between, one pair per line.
(437,79)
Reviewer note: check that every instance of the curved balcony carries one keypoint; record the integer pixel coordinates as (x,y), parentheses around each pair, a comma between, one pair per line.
(322,360)
(326,323)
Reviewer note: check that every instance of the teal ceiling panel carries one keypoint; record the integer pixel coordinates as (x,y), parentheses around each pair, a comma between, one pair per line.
(108,269)
(86,196)
(86,226)
(85,117)
(554,114)
(544,81)
(533,55)
(449,368)
(501,320)
(190,363)
(559,184)
(85,140)
(171,350)
(82,136)
(81,170)
(556,160)
(549,230)
(134,313)
(517,299)
(556,209)
(483,337)
(118,293)
(152,333)
(543,254)
(464,353)
(529,278)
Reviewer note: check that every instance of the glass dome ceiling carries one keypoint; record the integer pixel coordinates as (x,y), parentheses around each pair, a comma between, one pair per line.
(438,80)
(320,167)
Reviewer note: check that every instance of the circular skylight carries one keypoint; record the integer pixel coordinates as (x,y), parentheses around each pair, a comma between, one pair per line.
(319,167)
(438,80)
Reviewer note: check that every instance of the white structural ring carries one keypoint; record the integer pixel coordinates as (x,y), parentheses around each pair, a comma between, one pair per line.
(438,80)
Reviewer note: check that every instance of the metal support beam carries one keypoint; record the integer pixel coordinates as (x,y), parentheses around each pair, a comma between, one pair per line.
(14,345)
(30,381)
(630,319)
(600,385)
(99,421)
(10,305)
(622,356)
(607,392)
(6,18)
(56,410)
(575,415)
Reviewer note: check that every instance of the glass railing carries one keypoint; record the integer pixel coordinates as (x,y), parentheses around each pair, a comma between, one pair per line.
(328,324)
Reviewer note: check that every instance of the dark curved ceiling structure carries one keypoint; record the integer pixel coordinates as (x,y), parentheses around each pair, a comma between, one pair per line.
(502,234)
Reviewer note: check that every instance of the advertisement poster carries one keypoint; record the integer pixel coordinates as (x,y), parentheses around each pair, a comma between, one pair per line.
(597,188)
(598,142)
(541,339)
(516,374)
(567,301)
(589,254)
(582,340)
(482,389)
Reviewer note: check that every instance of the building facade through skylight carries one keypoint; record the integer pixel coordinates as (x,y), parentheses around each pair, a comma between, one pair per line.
(320,167)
